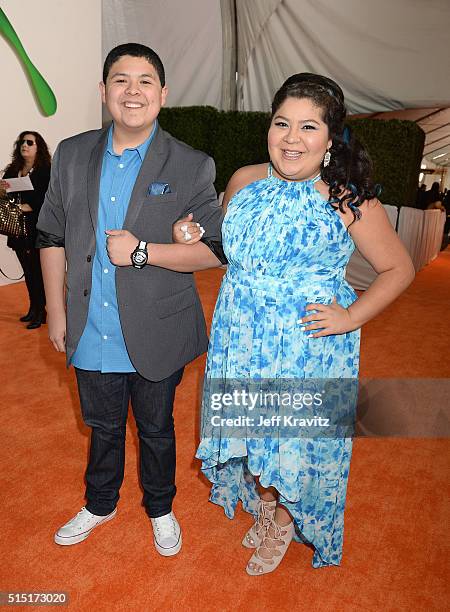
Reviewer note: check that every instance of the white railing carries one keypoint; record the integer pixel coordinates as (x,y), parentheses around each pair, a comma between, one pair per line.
(421,232)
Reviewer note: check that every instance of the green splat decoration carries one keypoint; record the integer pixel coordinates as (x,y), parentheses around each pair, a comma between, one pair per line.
(42,90)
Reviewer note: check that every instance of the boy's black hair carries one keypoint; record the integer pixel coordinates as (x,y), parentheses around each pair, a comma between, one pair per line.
(135,50)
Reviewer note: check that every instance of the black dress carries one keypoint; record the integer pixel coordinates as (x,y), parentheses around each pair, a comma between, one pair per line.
(25,249)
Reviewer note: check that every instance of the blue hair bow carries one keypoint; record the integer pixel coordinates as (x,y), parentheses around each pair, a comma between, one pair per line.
(346,135)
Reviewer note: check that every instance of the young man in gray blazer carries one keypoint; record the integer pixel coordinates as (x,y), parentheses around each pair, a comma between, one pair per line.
(128,314)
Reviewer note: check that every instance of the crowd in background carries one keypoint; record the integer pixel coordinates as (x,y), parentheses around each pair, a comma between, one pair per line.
(433,198)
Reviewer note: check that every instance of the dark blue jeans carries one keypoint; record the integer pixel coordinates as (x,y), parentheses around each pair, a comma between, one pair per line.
(104,402)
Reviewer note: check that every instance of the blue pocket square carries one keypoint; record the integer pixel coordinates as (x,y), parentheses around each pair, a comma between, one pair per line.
(158,188)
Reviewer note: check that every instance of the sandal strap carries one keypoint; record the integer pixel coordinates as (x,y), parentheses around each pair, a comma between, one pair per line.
(265,511)
(278,537)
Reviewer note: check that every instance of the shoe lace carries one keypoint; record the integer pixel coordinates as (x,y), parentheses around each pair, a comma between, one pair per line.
(264,515)
(165,526)
(84,515)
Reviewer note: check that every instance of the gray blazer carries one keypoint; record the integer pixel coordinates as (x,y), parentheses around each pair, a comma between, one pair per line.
(160,311)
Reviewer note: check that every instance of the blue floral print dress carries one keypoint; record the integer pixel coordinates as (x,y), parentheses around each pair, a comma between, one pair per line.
(286,248)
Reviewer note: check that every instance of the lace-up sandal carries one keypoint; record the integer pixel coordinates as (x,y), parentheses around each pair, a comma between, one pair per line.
(254,536)
(279,537)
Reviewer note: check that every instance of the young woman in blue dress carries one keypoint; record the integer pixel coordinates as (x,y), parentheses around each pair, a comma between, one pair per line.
(285,311)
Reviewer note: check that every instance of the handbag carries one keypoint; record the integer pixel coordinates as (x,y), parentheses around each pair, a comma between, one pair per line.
(12,220)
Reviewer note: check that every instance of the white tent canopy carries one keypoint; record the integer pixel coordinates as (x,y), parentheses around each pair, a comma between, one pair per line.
(386,55)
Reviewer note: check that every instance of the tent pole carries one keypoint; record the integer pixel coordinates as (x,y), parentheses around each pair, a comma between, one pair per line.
(229,54)
(236,57)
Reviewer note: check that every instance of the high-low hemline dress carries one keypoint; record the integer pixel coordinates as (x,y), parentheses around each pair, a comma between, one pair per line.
(286,247)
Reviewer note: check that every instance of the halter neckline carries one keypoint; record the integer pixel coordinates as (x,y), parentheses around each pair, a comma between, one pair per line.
(271,175)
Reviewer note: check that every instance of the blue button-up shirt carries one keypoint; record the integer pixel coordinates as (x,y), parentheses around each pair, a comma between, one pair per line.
(102,346)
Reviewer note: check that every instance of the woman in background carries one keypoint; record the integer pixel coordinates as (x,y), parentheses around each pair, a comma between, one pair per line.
(30,157)
(434,198)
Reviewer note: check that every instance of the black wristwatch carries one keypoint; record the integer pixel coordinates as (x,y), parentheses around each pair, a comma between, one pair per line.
(139,256)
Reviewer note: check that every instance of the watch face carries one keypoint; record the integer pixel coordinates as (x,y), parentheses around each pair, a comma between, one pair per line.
(139,257)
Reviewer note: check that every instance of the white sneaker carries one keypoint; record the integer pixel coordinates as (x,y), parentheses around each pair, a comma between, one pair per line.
(80,526)
(167,534)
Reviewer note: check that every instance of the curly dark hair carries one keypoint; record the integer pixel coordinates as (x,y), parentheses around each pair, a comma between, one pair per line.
(43,158)
(349,173)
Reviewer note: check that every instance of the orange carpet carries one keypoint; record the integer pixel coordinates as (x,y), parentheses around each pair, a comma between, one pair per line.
(396,551)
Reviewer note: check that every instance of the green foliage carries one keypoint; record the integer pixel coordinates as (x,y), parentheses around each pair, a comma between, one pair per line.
(396,149)
(194,125)
(241,140)
(235,139)
(232,138)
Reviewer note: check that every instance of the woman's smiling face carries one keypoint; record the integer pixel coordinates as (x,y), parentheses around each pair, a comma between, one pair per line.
(298,139)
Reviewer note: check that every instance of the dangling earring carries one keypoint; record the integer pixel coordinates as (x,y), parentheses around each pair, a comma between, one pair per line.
(326,158)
